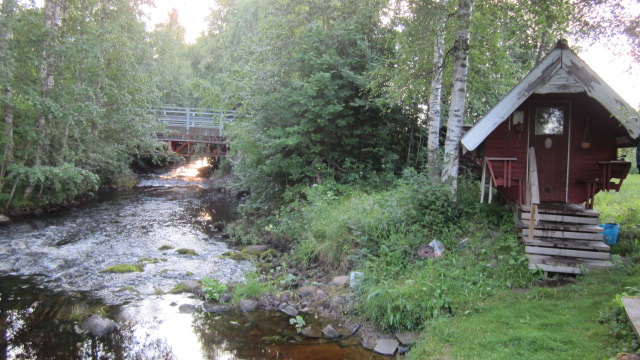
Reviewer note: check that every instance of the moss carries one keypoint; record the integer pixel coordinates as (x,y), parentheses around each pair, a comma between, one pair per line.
(146,260)
(188,273)
(123,268)
(128,288)
(264,267)
(165,247)
(158,292)
(184,251)
(179,288)
(269,254)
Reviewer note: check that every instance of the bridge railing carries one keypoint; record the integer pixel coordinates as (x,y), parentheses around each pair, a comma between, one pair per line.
(183,117)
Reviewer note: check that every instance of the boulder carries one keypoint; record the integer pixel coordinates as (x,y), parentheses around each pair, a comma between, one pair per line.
(187,308)
(330,332)
(99,326)
(407,338)
(339,281)
(4,220)
(311,333)
(289,310)
(225,298)
(215,307)
(247,305)
(192,285)
(386,347)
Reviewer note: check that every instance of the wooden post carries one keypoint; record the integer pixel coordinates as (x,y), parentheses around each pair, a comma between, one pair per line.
(484,179)
(534,191)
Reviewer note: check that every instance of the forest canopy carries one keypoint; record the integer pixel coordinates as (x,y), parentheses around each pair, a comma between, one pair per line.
(326,90)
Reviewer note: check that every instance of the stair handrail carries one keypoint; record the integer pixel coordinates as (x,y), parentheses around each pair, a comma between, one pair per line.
(533,192)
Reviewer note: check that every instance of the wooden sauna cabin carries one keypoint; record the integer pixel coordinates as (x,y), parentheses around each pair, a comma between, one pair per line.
(549,146)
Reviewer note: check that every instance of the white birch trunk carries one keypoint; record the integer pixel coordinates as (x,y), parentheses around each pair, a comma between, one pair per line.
(458,95)
(433,139)
(6,34)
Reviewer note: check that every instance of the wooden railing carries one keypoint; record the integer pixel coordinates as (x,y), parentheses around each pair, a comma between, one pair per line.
(187,118)
(533,192)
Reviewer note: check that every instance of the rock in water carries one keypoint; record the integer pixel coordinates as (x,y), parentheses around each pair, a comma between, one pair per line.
(386,346)
(4,220)
(289,310)
(310,333)
(330,332)
(215,308)
(187,308)
(247,305)
(99,326)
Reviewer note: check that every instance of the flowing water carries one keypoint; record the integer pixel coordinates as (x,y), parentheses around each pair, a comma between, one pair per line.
(51,276)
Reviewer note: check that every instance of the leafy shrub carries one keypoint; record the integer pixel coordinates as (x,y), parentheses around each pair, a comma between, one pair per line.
(212,288)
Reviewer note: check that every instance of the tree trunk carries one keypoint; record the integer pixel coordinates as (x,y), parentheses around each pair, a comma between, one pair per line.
(6,59)
(434,116)
(541,47)
(458,94)
(52,24)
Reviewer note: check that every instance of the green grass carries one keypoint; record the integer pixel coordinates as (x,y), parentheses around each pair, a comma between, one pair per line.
(252,288)
(560,323)
(621,207)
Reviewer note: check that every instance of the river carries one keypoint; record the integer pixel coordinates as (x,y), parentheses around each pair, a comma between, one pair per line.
(51,277)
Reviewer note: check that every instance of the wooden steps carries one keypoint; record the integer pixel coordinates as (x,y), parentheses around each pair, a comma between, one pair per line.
(565,239)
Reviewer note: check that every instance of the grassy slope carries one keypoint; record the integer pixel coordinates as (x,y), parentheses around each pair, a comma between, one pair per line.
(543,323)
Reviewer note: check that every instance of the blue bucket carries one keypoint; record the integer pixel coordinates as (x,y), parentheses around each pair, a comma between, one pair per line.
(610,233)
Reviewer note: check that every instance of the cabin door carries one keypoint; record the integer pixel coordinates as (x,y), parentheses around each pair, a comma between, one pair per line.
(550,139)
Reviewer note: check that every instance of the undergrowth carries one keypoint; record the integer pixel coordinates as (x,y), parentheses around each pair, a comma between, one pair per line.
(346,228)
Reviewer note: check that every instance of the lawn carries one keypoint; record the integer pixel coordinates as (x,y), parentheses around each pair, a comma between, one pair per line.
(549,323)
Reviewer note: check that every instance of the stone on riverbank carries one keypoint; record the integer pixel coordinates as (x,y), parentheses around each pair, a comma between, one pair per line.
(339,281)
(311,333)
(407,338)
(215,307)
(386,347)
(187,308)
(99,326)
(330,332)
(247,305)
(289,310)
(307,291)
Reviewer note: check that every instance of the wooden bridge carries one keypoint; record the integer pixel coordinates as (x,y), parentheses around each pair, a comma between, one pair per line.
(186,127)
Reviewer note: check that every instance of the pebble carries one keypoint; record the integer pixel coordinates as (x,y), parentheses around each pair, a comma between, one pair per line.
(386,347)
(215,308)
(330,332)
(289,310)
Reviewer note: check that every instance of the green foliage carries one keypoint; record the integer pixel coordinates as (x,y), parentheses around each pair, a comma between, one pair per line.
(165,247)
(123,268)
(251,288)
(54,184)
(212,288)
(298,322)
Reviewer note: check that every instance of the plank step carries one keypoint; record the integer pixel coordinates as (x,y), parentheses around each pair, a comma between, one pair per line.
(577,254)
(565,209)
(564,235)
(632,308)
(568,244)
(565,265)
(543,225)
(562,218)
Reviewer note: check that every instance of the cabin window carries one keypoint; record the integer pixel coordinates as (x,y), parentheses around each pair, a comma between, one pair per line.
(549,120)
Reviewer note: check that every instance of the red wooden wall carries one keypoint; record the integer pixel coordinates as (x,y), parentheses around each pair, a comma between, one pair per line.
(508,141)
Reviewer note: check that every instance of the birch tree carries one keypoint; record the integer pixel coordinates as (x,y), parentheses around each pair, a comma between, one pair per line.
(435,97)
(7,13)
(458,95)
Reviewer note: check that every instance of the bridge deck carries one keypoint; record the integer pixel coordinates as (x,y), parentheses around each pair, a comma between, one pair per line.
(186,126)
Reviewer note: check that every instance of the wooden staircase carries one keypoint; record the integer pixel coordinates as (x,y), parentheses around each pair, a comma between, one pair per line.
(565,239)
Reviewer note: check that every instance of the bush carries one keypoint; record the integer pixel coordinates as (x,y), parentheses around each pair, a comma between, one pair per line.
(212,288)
